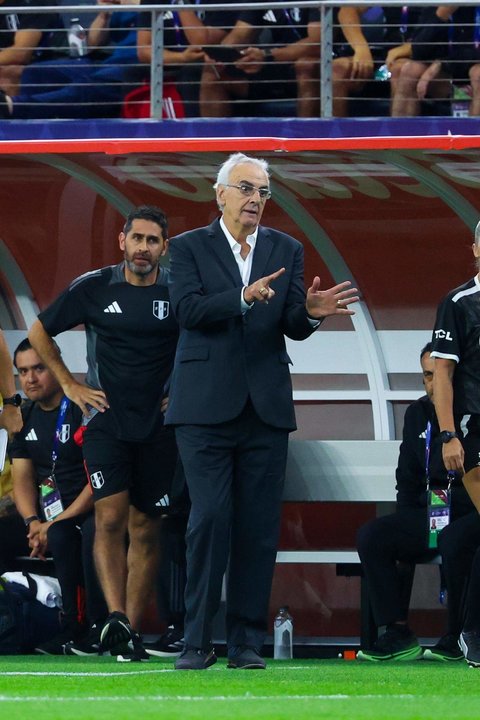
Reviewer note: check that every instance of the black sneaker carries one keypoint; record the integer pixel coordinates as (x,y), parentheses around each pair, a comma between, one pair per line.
(134,652)
(56,645)
(470,645)
(193,658)
(87,646)
(446,650)
(393,645)
(116,631)
(170,644)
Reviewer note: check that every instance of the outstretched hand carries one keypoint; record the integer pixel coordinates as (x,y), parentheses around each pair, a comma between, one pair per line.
(334,301)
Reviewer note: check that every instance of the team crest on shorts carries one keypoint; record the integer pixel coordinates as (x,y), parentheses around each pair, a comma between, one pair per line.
(97,480)
(161,309)
(64,434)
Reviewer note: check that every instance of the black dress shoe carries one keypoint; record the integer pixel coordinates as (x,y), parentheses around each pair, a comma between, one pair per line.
(245,658)
(195,659)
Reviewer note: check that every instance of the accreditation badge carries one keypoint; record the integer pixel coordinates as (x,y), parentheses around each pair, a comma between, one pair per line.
(438,513)
(50,499)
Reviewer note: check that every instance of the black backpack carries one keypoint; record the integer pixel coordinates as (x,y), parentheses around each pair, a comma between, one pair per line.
(25,622)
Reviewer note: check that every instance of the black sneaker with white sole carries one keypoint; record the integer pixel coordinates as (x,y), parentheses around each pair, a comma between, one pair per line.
(87,646)
(170,644)
(116,631)
(70,630)
(56,645)
(469,643)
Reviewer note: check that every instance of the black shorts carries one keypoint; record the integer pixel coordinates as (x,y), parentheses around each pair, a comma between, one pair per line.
(468,428)
(145,469)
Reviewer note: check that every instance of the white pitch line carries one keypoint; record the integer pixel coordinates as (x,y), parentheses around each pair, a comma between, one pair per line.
(200,698)
(113,673)
(85,674)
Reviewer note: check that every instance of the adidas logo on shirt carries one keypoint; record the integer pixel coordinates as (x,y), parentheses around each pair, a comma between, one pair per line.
(31,435)
(269,16)
(113,308)
(163,502)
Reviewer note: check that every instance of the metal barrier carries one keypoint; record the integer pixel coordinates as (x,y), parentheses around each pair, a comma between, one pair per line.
(320,73)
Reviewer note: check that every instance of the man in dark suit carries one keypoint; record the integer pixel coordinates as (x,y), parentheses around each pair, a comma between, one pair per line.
(231,403)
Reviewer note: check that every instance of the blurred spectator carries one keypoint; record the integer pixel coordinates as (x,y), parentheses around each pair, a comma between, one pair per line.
(445,48)
(90,86)
(27,38)
(185,33)
(368,46)
(278,69)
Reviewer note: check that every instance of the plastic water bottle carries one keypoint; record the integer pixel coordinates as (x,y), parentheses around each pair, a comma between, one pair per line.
(382,74)
(77,39)
(283,635)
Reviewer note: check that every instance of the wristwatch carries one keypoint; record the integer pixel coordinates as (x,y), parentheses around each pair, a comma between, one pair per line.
(268,55)
(15,400)
(447,435)
(30,519)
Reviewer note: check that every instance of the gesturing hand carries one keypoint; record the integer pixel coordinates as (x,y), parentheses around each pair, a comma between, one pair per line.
(334,301)
(260,290)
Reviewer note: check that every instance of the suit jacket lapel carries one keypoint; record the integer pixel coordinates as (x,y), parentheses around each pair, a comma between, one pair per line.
(218,245)
(263,250)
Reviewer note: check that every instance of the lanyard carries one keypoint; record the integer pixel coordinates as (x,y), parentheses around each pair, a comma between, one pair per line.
(58,430)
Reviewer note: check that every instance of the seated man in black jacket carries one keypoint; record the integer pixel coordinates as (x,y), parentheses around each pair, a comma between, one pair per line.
(404,536)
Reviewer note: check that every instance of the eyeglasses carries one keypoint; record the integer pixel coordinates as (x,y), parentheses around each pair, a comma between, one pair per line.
(249,190)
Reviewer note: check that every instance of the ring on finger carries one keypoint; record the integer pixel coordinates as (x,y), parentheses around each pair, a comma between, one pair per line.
(339,304)
(263,291)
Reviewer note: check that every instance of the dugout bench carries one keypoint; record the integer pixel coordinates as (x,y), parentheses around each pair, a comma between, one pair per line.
(346,471)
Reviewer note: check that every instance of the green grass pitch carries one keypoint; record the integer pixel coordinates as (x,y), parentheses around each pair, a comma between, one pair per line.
(51,688)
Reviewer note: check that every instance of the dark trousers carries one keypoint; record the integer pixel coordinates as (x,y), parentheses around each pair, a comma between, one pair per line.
(458,544)
(172,574)
(235,475)
(74,88)
(71,544)
(13,540)
(402,537)
(472,603)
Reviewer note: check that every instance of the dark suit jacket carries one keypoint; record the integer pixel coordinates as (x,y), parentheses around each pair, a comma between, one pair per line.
(223,357)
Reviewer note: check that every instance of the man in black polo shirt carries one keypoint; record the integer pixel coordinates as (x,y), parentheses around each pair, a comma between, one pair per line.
(274,45)
(129,454)
(456,349)
(52,493)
